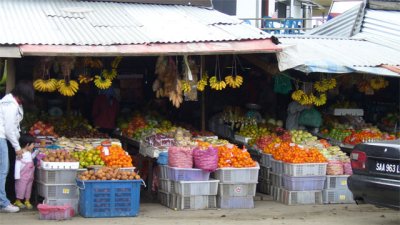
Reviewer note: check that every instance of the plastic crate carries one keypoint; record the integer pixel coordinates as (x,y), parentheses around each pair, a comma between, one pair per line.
(180,202)
(276,193)
(264,187)
(59,165)
(242,139)
(336,182)
(190,188)
(49,212)
(337,196)
(226,202)
(237,189)
(56,176)
(187,174)
(109,198)
(166,185)
(265,160)
(57,191)
(163,174)
(305,169)
(237,175)
(74,203)
(276,179)
(301,197)
(162,158)
(310,183)
(264,173)
(276,166)
(164,198)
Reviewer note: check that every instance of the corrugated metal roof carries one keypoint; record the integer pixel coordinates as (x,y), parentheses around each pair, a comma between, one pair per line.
(344,25)
(344,52)
(68,22)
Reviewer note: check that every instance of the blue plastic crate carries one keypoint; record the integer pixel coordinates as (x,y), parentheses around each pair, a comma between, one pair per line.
(162,158)
(119,198)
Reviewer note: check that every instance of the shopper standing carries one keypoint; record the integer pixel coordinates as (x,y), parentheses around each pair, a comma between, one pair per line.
(105,110)
(11,114)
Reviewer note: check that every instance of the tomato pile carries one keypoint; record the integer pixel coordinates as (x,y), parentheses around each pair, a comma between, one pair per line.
(115,157)
(233,156)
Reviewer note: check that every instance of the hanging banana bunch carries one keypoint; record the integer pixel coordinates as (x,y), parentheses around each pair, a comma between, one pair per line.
(234,80)
(202,83)
(321,100)
(68,87)
(325,85)
(112,74)
(186,87)
(84,79)
(101,82)
(378,83)
(297,95)
(45,85)
(217,83)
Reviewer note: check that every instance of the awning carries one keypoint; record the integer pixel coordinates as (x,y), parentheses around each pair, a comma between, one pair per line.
(9,52)
(208,48)
(333,55)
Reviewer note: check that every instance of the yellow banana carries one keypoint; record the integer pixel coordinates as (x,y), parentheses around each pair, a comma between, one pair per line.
(102,83)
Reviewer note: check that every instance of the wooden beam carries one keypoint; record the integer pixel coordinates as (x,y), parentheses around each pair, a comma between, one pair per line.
(10,83)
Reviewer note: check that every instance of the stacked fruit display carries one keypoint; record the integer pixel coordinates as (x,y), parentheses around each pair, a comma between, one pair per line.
(233,156)
(300,136)
(114,155)
(253,131)
(339,134)
(59,156)
(42,129)
(109,173)
(366,135)
(135,124)
(88,158)
(293,153)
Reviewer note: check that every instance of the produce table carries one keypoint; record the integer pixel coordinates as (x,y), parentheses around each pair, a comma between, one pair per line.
(131,146)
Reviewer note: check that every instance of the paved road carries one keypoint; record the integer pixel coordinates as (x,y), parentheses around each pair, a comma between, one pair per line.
(265,212)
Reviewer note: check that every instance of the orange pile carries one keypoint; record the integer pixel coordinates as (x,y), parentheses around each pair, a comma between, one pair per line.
(232,156)
(117,156)
(292,153)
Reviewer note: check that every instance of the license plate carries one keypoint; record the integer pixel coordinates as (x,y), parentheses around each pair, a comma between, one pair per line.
(387,167)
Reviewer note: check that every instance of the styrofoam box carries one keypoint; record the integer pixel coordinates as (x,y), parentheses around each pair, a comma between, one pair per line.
(180,202)
(301,197)
(304,169)
(58,191)
(56,176)
(237,175)
(336,182)
(276,179)
(242,139)
(164,198)
(308,183)
(190,188)
(264,187)
(166,185)
(163,171)
(74,203)
(277,166)
(351,112)
(337,196)
(265,160)
(227,202)
(59,165)
(264,173)
(237,189)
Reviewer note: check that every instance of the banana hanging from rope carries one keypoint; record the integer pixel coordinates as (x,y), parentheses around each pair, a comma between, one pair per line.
(186,87)
(45,85)
(84,79)
(68,88)
(202,83)
(109,74)
(116,61)
(217,85)
(102,83)
(234,81)
(296,95)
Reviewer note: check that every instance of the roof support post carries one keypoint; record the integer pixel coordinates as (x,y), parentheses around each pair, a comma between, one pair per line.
(10,83)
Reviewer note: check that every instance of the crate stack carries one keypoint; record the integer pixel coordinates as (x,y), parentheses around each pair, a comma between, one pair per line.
(186,188)
(336,190)
(302,183)
(264,175)
(237,187)
(276,178)
(58,186)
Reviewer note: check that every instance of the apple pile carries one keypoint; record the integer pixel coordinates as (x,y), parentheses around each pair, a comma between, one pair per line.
(42,129)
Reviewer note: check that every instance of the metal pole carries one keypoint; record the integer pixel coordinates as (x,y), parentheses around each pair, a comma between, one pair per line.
(10,83)
(203,98)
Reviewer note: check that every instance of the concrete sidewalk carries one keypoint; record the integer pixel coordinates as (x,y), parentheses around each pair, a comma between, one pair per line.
(265,212)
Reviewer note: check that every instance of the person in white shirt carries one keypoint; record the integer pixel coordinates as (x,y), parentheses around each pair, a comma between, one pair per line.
(11,114)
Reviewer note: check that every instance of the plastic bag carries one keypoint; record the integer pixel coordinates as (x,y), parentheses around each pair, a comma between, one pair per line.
(181,157)
(347,168)
(282,84)
(334,167)
(206,159)
(310,117)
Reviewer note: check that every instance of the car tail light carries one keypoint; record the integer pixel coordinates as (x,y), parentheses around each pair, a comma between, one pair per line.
(358,160)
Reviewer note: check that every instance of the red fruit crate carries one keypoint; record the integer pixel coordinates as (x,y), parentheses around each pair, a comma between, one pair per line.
(49,212)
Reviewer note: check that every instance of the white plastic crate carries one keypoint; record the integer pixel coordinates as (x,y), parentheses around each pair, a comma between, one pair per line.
(164,198)
(187,174)
(301,197)
(308,183)
(276,166)
(338,196)
(226,202)
(74,203)
(265,160)
(166,185)
(305,169)
(264,173)
(237,189)
(276,179)
(57,191)
(237,175)
(59,165)
(180,202)
(56,176)
(264,187)
(276,193)
(242,139)
(190,188)
(336,182)
(163,174)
